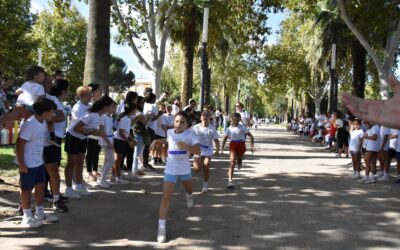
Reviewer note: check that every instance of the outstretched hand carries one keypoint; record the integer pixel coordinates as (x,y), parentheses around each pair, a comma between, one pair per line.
(382,112)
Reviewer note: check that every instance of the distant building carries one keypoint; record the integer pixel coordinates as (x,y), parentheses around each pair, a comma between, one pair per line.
(141,84)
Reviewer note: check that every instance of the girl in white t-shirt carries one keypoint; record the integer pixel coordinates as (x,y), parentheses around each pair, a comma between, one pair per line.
(355,146)
(383,156)
(123,140)
(181,142)
(206,134)
(107,124)
(237,134)
(371,138)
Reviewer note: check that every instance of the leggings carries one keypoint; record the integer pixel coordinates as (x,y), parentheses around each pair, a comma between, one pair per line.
(92,155)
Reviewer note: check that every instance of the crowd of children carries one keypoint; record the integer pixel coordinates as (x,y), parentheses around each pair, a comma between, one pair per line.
(360,140)
(128,134)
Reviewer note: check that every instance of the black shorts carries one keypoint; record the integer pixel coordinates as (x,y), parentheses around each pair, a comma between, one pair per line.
(392,153)
(342,138)
(52,154)
(74,145)
(120,146)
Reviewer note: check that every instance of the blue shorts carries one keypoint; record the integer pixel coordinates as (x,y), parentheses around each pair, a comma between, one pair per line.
(174,178)
(34,176)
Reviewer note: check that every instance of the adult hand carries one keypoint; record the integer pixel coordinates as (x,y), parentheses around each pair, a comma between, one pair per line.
(382,112)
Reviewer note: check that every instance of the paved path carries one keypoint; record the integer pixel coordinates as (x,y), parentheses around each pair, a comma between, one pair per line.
(291,195)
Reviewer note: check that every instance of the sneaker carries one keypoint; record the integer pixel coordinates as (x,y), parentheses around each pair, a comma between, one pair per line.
(338,156)
(162,235)
(113,178)
(205,188)
(364,180)
(230,184)
(372,179)
(71,194)
(121,181)
(53,142)
(379,175)
(103,184)
(31,222)
(48,197)
(149,167)
(130,175)
(356,176)
(63,198)
(60,206)
(82,190)
(352,175)
(189,200)
(384,178)
(48,218)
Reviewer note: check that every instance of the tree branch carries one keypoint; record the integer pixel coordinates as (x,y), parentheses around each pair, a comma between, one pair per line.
(165,32)
(391,47)
(129,38)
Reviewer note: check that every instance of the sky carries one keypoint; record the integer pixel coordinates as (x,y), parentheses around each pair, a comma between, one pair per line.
(124,51)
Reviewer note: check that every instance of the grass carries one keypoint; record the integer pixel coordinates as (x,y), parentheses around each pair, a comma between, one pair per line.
(7,167)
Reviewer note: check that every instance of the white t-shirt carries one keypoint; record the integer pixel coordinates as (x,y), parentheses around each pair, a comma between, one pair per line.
(175,109)
(108,123)
(178,160)
(125,124)
(78,110)
(30,93)
(321,120)
(35,133)
(393,141)
(382,132)
(90,120)
(355,140)
(206,135)
(237,133)
(151,109)
(371,145)
(59,127)
(159,129)
(169,120)
(338,123)
(244,115)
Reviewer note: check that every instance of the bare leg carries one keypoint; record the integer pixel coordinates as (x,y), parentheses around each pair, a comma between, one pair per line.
(206,169)
(188,185)
(197,163)
(166,199)
(26,199)
(39,194)
(232,157)
(52,169)
(80,159)
(367,161)
(69,169)
(374,156)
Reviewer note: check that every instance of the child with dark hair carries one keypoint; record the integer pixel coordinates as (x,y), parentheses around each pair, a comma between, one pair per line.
(31,90)
(181,142)
(237,133)
(75,144)
(30,146)
(355,147)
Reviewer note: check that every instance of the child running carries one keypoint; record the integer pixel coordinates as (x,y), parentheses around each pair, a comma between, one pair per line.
(181,143)
(206,134)
(237,134)
(355,146)
(30,146)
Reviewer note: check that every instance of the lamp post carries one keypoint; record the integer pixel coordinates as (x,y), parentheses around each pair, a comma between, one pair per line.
(333,90)
(205,78)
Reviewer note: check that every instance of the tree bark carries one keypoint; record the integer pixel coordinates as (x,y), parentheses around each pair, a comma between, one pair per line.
(97,59)
(188,47)
(359,55)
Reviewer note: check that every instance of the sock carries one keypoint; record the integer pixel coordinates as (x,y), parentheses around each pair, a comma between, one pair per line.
(40,209)
(161,223)
(27,213)
(189,195)
(205,184)
(56,197)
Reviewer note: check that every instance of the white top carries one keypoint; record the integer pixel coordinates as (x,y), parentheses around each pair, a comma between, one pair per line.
(159,129)
(244,115)
(120,107)
(30,93)
(175,109)
(339,123)
(169,120)
(34,132)
(355,140)
(108,123)
(206,135)
(382,132)
(78,110)
(59,127)
(321,120)
(178,160)
(393,141)
(125,125)
(237,133)
(371,145)
(90,120)
(149,108)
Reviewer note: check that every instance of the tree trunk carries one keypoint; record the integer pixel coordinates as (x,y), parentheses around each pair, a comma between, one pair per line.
(97,59)
(358,54)
(317,104)
(188,47)
(157,81)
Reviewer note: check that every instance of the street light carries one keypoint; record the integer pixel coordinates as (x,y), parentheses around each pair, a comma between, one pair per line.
(205,79)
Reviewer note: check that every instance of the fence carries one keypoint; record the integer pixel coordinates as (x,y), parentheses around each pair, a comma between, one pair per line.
(9,136)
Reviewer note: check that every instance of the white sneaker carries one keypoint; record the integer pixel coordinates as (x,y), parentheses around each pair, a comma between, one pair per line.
(364,180)
(338,156)
(103,184)
(31,222)
(48,218)
(121,181)
(162,235)
(130,175)
(230,184)
(70,193)
(82,190)
(379,174)
(356,176)
(189,200)
(371,179)
(385,177)
(205,188)
(352,175)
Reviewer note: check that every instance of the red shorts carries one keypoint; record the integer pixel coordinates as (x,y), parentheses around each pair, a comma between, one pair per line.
(238,147)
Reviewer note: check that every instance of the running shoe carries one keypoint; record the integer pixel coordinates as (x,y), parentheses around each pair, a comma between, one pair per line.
(162,235)
(82,190)
(31,222)
(71,194)
(47,218)
(189,200)
(60,206)
(103,184)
